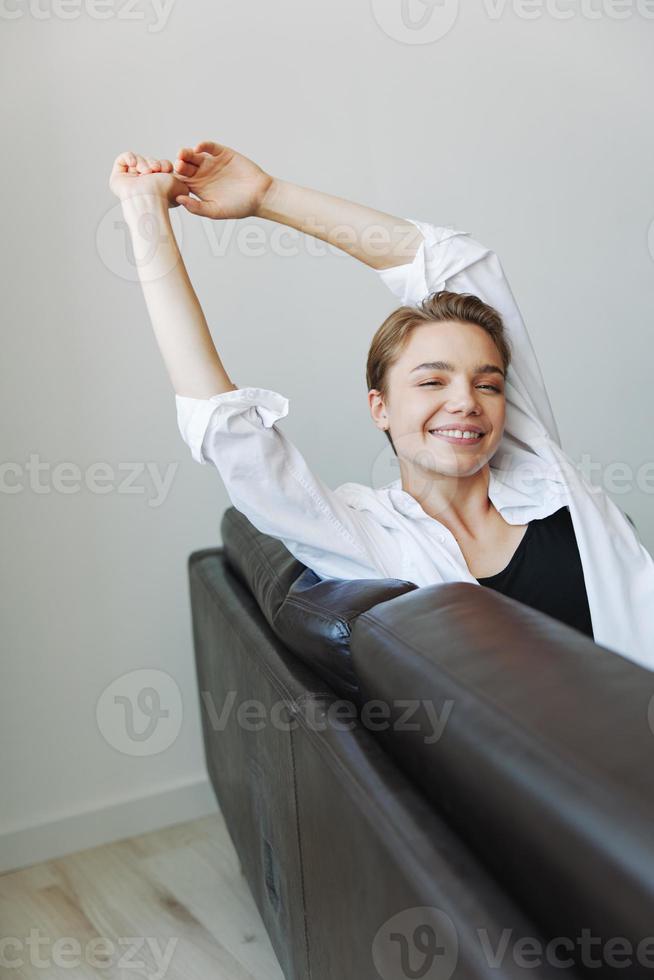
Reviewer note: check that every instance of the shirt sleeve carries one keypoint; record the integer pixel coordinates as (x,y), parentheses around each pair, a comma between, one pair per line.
(451,259)
(268,480)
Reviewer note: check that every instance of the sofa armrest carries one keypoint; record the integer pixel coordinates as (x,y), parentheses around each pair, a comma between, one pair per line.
(535,742)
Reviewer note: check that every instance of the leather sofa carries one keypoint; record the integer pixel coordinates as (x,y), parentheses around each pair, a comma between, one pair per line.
(423,782)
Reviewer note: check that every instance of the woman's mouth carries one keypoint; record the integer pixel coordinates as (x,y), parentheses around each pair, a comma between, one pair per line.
(458,437)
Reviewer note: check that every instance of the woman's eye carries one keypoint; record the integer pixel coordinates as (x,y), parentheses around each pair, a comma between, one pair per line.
(427,384)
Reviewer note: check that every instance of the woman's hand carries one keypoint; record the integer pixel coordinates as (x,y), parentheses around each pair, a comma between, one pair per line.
(133,175)
(228,184)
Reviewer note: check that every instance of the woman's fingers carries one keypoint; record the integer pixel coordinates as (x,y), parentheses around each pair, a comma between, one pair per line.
(187,155)
(136,164)
(142,166)
(193,205)
(208,146)
(124,161)
(185,169)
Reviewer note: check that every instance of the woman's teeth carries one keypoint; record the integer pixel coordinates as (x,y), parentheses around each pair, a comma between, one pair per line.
(456,433)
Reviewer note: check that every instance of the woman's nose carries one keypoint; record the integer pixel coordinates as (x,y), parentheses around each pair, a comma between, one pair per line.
(463,401)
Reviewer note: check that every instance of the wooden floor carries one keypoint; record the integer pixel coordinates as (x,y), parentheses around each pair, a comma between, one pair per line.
(173,901)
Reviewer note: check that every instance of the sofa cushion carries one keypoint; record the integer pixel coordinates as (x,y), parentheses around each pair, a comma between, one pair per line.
(312,616)
(534,741)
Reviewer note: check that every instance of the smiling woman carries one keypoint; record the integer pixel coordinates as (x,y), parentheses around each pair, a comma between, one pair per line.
(454,359)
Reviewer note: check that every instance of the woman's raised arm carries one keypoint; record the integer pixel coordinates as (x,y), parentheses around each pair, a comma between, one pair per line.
(265,475)
(229,185)
(147,189)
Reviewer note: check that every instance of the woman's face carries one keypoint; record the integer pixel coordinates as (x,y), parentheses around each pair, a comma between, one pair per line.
(424,395)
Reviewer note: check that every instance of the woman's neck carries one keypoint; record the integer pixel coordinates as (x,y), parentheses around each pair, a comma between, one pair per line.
(461,503)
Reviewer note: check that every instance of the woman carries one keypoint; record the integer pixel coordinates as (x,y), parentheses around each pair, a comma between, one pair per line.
(504,507)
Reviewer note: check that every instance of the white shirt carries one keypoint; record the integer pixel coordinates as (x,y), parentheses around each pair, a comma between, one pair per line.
(356,531)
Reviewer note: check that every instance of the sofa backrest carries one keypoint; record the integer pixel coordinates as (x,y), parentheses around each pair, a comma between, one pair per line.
(537,746)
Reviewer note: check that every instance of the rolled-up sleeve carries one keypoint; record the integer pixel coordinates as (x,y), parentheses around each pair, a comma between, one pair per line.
(450,259)
(268,480)
(243,411)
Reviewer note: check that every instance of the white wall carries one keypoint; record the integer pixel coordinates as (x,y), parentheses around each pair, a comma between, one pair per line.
(533,134)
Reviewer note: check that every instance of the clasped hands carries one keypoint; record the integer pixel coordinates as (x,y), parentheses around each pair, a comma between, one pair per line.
(225,183)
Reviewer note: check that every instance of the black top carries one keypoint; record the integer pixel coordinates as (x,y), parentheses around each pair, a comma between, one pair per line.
(545,572)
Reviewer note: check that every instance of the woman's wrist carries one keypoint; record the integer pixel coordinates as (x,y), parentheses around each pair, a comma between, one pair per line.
(271,200)
(155,249)
(135,206)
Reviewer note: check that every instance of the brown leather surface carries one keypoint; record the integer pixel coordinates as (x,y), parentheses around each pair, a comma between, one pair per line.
(545,762)
(313,618)
(334,839)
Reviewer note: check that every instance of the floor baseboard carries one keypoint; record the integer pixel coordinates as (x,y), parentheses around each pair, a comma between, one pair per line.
(78,831)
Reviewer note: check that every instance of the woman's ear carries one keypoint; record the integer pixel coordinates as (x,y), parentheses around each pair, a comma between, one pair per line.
(378,409)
